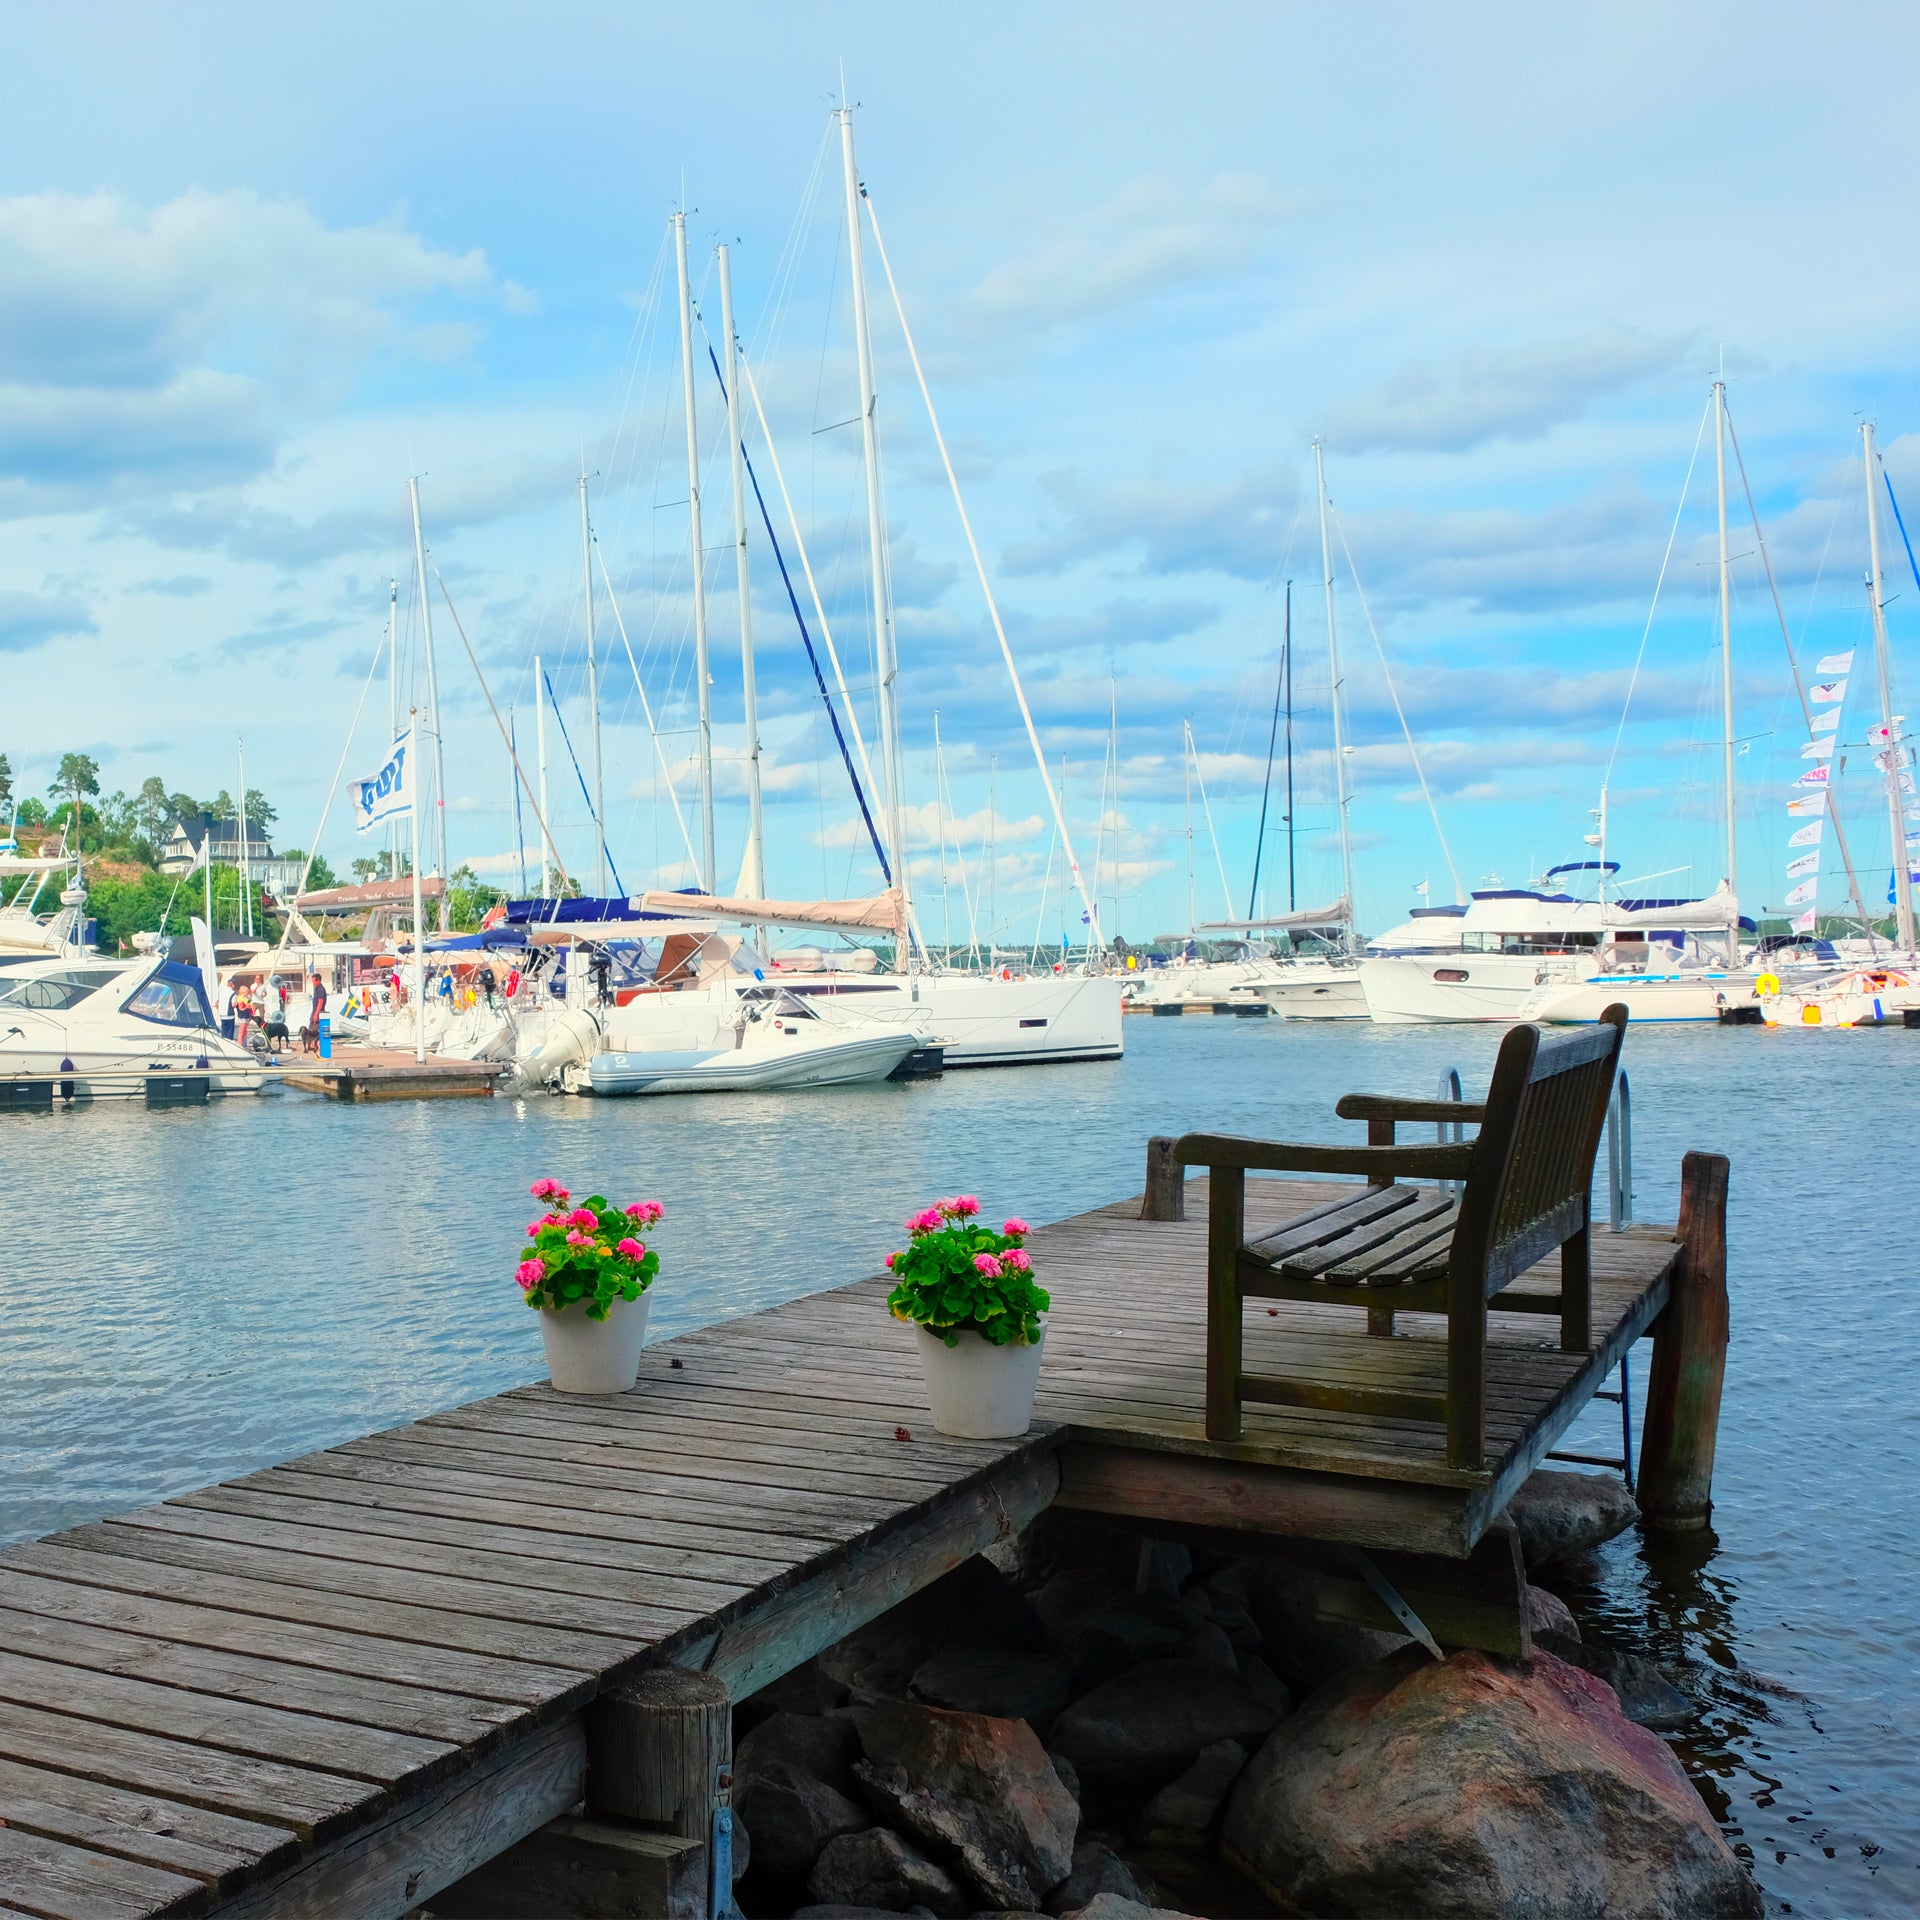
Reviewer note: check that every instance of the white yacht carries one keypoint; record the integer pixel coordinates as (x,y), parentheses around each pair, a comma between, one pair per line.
(25,930)
(1518,953)
(1316,987)
(749,1038)
(108,1026)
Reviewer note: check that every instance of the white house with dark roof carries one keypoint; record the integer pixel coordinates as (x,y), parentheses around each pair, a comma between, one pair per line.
(180,851)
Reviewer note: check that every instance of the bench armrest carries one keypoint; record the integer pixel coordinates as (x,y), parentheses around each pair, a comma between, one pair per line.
(1390,1106)
(1285,1156)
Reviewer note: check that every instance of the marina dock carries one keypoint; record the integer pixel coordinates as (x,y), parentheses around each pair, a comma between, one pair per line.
(392,1073)
(340,1685)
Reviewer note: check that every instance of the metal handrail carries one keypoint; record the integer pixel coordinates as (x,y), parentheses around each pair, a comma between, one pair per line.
(1620,1155)
(1450,1132)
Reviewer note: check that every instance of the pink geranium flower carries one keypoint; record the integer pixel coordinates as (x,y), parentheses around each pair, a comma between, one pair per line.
(891,1258)
(632,1249)
(529,1273)
(966,1206)
(548,1190)
(1016,1228)
(533,1227)
(645,1211)
(583,1217)
(1017,1261)
(927,1221)
(987,1264)
(578,1239)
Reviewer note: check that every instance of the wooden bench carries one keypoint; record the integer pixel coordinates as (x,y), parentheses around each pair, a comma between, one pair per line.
(1524,1190)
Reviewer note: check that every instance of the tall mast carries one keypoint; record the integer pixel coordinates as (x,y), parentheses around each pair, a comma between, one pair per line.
(1287,645)
(246,865)
(1333,669)
(393,708)
(593,693)
(883,649)
(513,794)
(433,704)
(1726,661)
(1902,887)
(701,670)
(540,749)
(755,867)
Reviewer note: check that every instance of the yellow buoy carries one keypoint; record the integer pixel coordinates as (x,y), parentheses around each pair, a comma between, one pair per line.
(1810,1016)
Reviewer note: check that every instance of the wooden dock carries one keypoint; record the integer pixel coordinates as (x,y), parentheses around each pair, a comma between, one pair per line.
(337,1686)
(391,1073)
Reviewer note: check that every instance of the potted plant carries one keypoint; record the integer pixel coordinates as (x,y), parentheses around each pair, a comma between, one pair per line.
(589,1276)
(971,1293)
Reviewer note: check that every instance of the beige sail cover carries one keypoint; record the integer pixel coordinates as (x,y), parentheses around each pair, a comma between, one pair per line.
(879,914)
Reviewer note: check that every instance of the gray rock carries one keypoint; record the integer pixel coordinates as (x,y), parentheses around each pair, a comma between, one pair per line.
(1548,1613)
(1101,1627)
(1647,1697)
(1263,1684)
(1559,1515)
(1009,1686)
(878,1869)
(973,1606)
(792,1816)
(1306,1650)
(825,1746)
(1097,1869)
(834,1910)
(1145,1726)
(1068,1772)
(979,1789)
(1113,1906)
(1478,1789)
(805,1690)
(1185,1811)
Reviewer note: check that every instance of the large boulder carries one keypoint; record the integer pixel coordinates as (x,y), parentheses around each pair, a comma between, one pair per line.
(824,1745)
(1646,1695)
(1143,1727)
(1548,1613)
(1559,1515)
(1005,1685)
(978,1789)
(1097,1869)
(1479,1789)
(1115,1906)
(878,1869)
(1101,1627)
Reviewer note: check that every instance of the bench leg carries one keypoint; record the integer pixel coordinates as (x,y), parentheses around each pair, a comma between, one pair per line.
(1466,1371)
(1226,1229)
(1576,1292)
(1380,1322)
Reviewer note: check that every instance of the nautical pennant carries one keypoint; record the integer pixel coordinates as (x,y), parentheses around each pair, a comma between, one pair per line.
(1814,777)
(1817,750)
(1823,692)
(1826,722)
(1800,895)
(1807,921)
(1807,836)
(1807,863)
(1808,803)
(1836,662)
(388,794)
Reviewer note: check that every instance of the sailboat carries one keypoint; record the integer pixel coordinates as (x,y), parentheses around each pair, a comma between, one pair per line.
(993,1019)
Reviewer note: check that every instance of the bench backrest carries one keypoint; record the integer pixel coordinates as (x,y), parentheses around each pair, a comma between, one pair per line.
(1531,1180)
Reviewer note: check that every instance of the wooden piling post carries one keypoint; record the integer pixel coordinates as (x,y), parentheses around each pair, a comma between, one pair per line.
(1166,1194)
(660,1753)
(1689,1359)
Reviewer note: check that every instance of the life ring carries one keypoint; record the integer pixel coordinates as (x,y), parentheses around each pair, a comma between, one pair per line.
(1766,986)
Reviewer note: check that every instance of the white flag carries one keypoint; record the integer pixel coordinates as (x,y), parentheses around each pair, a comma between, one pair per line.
(1808,803)
(1826,722)
(1800,868)
(388,794)
(1814,777)
(1807,836)
(1835,662)
(1800,895)
(1823,692)
(1913,837)
(1879,736)
(1806,922)
(1817,750)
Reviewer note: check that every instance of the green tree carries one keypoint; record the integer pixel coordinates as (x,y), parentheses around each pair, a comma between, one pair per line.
(6,780)
(183,806)
(376,867)
(79,773)
(319,875)
(33,812)
(150,810)
(117,825)
(469,899)
(259,813)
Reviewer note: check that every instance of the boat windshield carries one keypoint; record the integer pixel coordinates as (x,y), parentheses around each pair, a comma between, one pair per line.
(171,997)
(54,992)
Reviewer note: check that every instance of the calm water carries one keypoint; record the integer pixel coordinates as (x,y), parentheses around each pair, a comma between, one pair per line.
(194,1294)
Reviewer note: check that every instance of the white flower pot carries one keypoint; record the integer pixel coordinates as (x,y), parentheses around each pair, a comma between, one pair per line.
(978,1391)
(595,1356)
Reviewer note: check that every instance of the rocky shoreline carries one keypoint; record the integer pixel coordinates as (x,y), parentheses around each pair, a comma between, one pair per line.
(1092,1726)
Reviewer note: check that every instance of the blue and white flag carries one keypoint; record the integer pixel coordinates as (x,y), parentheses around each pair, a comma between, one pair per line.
(388,794)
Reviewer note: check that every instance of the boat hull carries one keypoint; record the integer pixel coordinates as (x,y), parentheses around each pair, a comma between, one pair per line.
(835,1062)
(1318,993)
(106,1070)
(983,1021)
(1433,989)
(1651,1001)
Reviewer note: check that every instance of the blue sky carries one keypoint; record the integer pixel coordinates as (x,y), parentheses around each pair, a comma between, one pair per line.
(253,276)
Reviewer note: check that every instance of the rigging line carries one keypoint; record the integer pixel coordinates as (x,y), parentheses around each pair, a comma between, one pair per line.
(1793,663)
(646,706)
(1206,807)
(1359,593)
(986,588)
(806,568)
(567,742)
(472,660)
(806,639)
(1673,533)
(321,826)
(1273,737)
